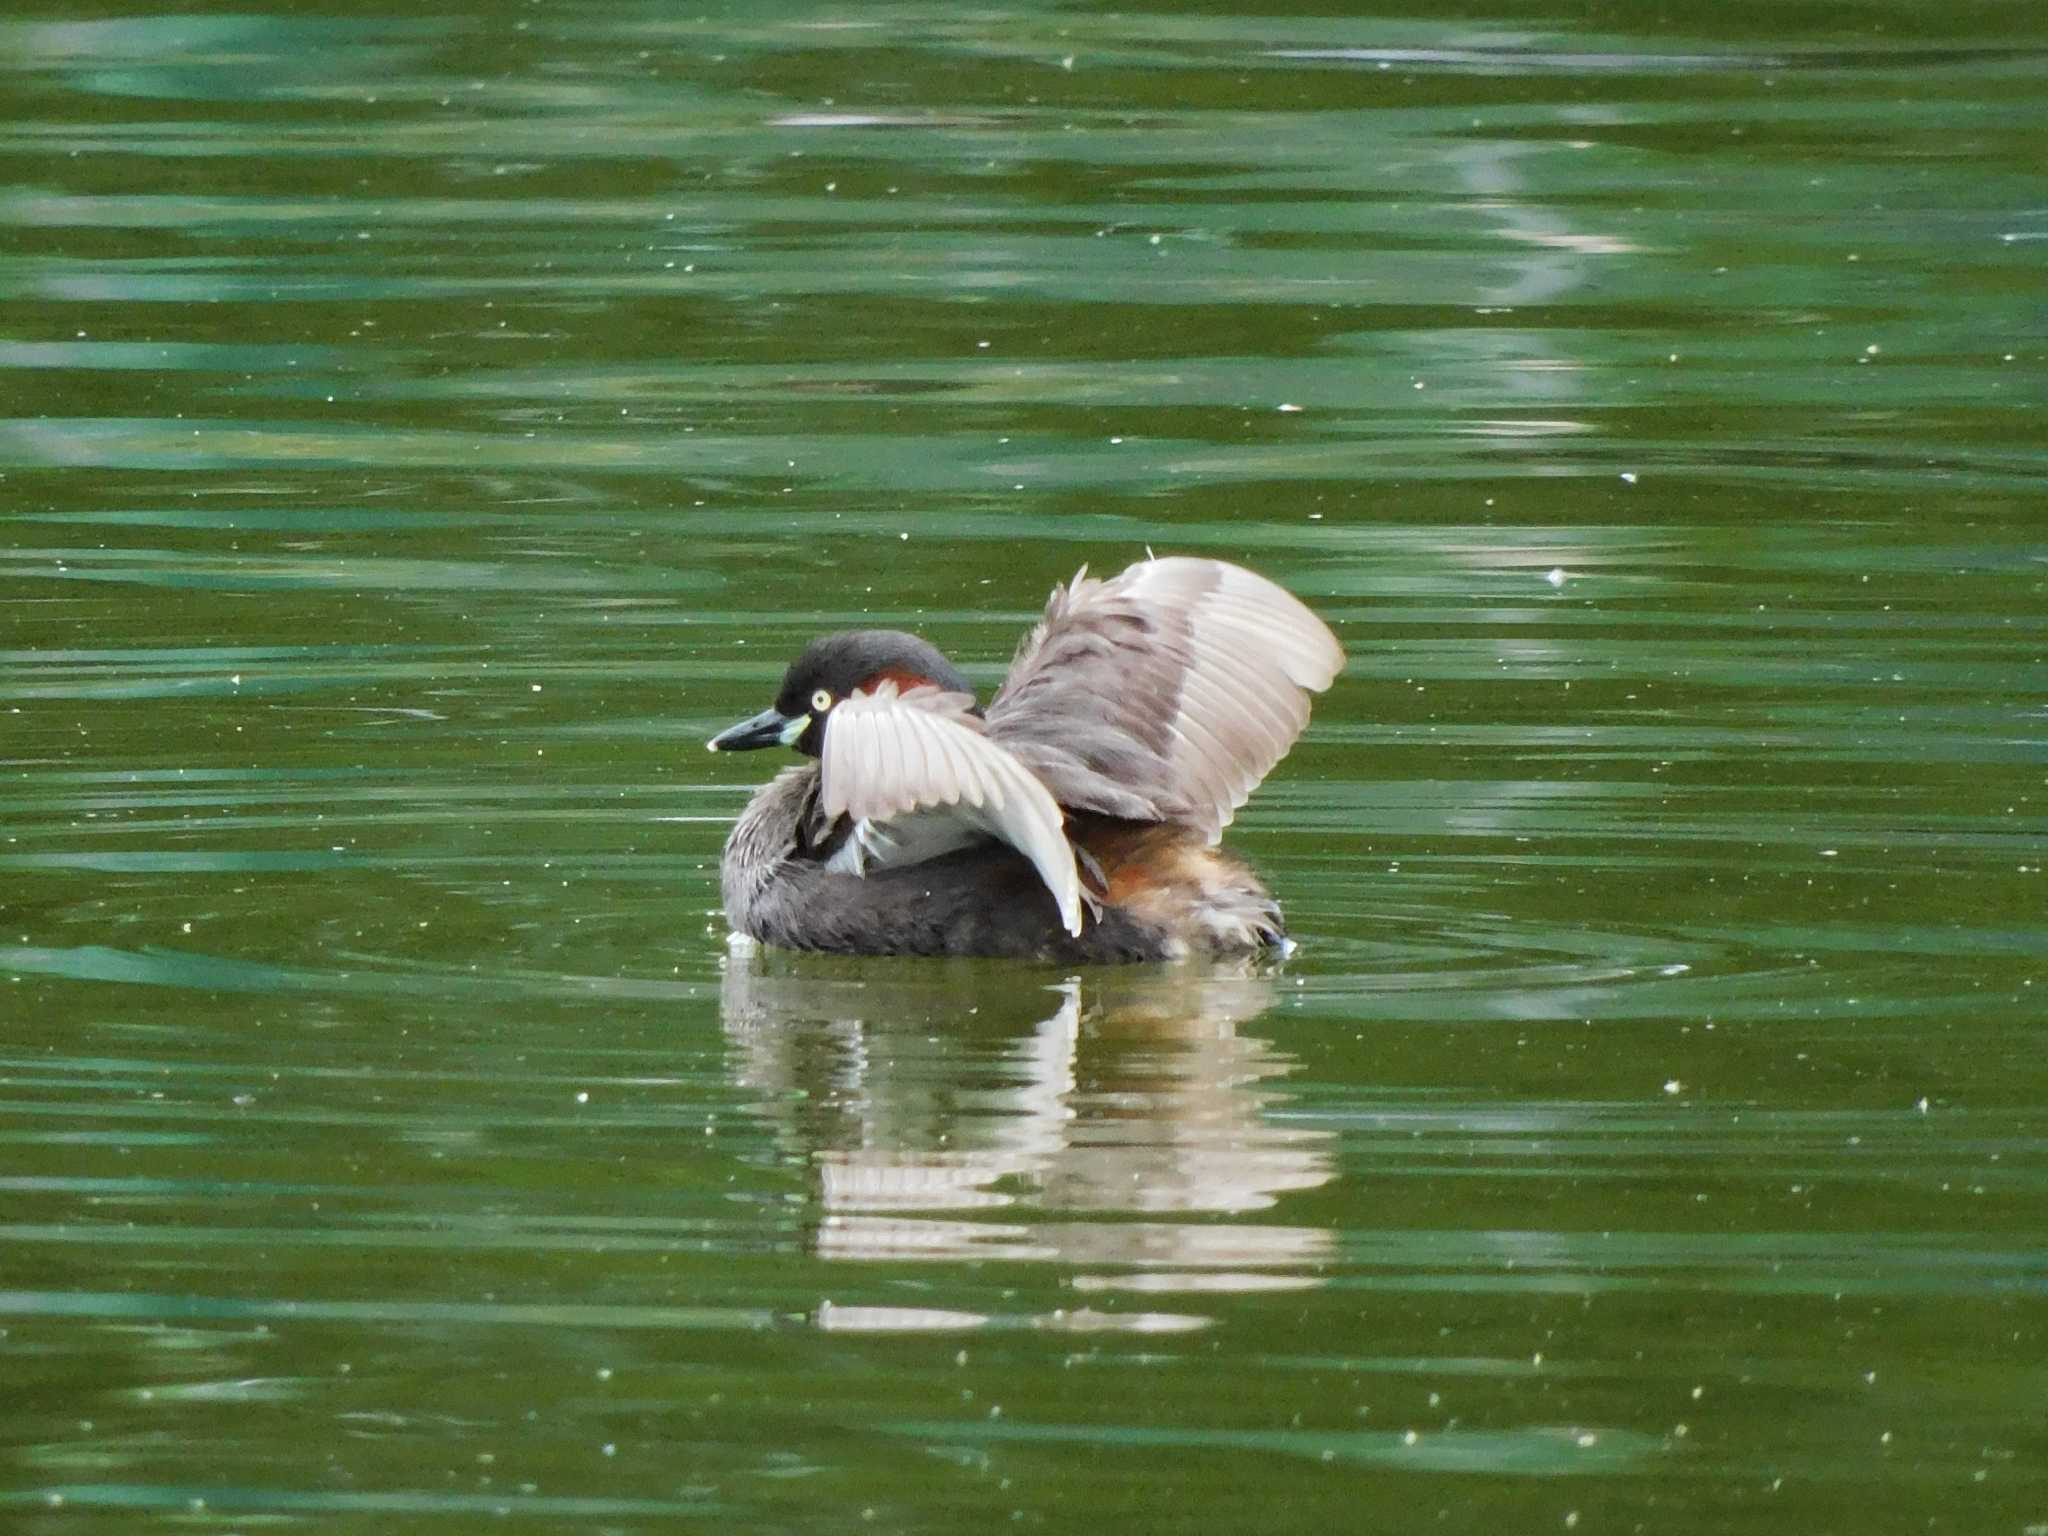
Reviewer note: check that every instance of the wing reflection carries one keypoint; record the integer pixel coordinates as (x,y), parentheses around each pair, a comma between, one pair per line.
(973,1112)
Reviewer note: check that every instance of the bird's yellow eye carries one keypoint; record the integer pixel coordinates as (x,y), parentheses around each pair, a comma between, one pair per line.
(821,700)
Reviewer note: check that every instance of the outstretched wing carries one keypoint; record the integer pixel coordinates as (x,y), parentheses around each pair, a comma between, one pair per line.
(889,757)
(1165,693)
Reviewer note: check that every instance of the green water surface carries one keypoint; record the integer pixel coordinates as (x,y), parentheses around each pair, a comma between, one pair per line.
(420,428)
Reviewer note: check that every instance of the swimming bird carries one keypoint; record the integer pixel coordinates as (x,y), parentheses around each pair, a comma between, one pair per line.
(1076,819)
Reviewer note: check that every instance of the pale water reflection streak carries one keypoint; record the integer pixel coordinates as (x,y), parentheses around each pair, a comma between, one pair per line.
(945,1121)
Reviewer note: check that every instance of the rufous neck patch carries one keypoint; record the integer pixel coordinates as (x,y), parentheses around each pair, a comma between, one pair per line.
(902,677)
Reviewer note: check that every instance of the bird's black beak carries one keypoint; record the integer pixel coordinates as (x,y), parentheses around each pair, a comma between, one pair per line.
(770,728)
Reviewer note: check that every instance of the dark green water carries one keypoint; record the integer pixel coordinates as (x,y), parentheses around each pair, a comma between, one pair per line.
(423,428)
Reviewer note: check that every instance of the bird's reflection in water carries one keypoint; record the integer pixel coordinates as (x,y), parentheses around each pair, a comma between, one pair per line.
(972,1110)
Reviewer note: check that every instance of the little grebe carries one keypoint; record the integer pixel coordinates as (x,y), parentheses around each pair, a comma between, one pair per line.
(1074,820)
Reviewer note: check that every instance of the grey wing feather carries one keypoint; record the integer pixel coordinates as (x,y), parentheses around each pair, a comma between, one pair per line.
(890,755)
(1165,693)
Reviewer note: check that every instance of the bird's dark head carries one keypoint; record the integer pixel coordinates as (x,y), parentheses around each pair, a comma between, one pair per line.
(832,668)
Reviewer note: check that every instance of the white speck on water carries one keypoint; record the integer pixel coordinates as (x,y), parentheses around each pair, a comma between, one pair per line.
(1628,477)
(1410,1437)
(1289,408)
(1829,853)
(582,1096)
(1673,1085)
(1673,970)
(1586,1441)
(1555,576)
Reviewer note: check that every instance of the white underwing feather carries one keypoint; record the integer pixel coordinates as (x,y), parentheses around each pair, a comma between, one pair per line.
(889,756)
